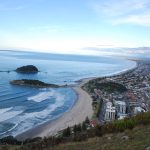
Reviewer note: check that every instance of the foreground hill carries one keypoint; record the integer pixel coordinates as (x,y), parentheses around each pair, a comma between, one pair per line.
(136,139)
(128,134)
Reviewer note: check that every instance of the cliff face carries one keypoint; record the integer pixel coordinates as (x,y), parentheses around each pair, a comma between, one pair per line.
(27,69)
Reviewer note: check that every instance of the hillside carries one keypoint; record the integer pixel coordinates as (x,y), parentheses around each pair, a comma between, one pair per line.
(137,139)
(128,134)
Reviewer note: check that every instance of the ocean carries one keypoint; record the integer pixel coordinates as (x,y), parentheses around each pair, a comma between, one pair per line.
(22,108)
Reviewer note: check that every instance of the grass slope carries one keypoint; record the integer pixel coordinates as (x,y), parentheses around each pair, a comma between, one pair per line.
(139,139)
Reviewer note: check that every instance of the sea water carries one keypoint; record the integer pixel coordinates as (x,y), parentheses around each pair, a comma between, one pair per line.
(22,108)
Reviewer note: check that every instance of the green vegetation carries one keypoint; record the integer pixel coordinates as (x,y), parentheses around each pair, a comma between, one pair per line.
(107,86)
(139,139)
(34,83)
(84,127)
(27,69)
(87,121)
(97,109)
(111,87)
(93,138)
(67,132)
(77,128)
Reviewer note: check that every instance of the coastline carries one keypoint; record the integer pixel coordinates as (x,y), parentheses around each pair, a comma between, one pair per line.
(83,81)
(74,115)
(70,118)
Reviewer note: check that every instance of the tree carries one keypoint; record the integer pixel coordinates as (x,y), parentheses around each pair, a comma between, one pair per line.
(84,126)
(87,121)
(79,129)
(75,128)
(67,132)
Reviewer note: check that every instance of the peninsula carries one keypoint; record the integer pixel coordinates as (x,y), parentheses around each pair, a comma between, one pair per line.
(27,69)
(33,83)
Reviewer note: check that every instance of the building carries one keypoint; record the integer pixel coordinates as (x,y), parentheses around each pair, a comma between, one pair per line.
(121,116)
(120,107)
(93,123)
(138,110)
(110,112)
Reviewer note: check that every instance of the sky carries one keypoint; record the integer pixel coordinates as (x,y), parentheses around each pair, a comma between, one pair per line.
(75,26)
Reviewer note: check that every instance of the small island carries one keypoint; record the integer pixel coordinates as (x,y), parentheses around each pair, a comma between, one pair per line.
(27,69)
(33,83)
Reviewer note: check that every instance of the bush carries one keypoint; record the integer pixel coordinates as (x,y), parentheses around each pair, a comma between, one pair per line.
(98,131)
(143,118)
(9,140)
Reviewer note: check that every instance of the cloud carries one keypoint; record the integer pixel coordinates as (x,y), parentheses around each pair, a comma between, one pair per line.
(140,19)
(117,7)
(121,12)
(120,51)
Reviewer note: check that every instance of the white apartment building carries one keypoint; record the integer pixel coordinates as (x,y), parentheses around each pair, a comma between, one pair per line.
(110,112)
(120,107)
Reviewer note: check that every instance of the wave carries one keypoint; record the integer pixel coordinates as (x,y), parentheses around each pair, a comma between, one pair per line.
(5,132)
(14,97)
(6,94)
(59,101)
(41,96)
(27,121)
(9,113)
(4,91)
(5,110)
(10,93)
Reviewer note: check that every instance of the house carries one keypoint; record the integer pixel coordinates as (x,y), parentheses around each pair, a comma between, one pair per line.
(93,123)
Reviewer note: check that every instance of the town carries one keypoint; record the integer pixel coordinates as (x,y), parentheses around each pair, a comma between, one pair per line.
(123,95)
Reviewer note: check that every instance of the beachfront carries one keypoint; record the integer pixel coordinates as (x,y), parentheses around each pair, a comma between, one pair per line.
(123,95)
(77,114)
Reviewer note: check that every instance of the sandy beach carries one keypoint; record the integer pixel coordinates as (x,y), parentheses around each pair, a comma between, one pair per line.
(77,114)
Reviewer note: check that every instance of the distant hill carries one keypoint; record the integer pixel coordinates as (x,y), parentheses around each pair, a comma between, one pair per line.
(27,69)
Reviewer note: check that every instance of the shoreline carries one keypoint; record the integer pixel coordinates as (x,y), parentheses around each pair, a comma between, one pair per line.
(69,118)
(74,115)
(83,81)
